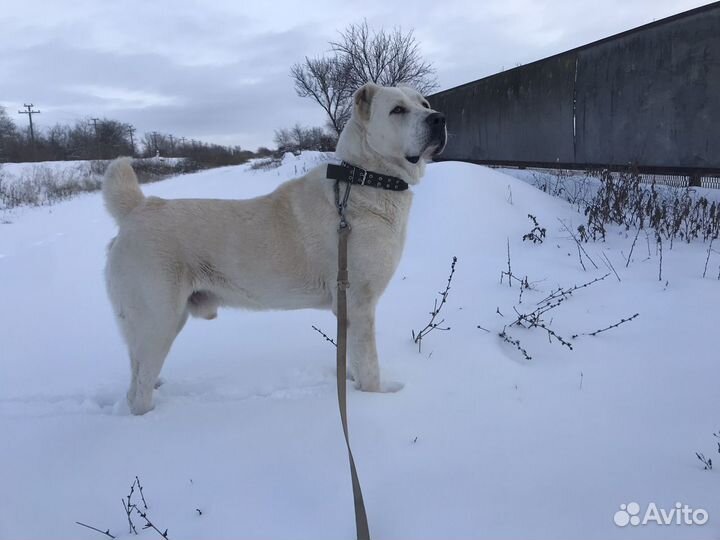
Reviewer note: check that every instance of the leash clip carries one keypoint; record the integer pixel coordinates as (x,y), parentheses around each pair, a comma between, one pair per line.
(341,204)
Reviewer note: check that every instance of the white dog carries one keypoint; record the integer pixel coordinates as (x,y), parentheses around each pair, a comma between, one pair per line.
(172,258)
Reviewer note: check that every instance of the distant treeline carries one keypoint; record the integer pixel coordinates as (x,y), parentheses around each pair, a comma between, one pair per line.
(101,139)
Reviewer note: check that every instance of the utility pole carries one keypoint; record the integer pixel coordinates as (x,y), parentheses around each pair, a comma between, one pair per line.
(155,144)
(97,138)
(131,131)
(30,112)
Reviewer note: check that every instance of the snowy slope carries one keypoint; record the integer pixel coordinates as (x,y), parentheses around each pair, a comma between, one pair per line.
(480,443)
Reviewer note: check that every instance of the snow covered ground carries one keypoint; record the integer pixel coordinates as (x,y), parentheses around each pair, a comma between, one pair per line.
(245,440)
(14,172)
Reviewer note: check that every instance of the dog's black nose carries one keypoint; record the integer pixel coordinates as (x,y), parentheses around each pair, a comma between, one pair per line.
(436,120)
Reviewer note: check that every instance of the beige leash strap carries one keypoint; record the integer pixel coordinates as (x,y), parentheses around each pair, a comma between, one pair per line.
(361,523)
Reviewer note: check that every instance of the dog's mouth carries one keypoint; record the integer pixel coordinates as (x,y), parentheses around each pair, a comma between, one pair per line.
(441,142)
(434,148)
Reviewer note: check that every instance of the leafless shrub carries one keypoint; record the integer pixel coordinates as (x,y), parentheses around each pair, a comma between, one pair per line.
(299,138)
(537,233)
(538,318)
(579,245)
(707,462)
(534,319)
(265,164)
(672,213)
(43,185)
(433,325)
(523,282)
(577,189)
(131,508)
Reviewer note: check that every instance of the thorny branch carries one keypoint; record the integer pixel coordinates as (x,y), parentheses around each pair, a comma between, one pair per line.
(561,292)
(432,325)
(515,342)
(596,332)
(523,282)
(106,533)
(142,496)
(535,318)
(323,334)
(128,511)
(129,508)
(149,524)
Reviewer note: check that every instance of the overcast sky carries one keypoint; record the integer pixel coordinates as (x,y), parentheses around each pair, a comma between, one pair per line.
(219,71)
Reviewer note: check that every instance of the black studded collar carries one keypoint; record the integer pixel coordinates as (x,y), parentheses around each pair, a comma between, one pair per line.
(355,175)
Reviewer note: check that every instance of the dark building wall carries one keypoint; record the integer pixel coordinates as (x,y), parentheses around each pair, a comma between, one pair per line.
(650,96)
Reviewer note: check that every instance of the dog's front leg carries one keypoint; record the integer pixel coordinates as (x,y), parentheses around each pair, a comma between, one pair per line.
(362,352)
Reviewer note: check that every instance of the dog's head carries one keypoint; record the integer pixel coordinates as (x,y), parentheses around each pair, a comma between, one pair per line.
(398,127)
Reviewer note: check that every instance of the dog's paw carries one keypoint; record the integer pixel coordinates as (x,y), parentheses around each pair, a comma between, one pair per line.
(390,387)
(139,406)
(121,408)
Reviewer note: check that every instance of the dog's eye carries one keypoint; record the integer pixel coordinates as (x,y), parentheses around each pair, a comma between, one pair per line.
(426,105)
(398,110)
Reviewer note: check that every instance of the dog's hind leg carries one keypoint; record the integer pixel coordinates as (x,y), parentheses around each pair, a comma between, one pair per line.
(150,315)
(149,338)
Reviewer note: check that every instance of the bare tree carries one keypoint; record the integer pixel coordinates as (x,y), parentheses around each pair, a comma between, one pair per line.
(386,58)
(327,81)
(7,126)
(8,134)
(361,55)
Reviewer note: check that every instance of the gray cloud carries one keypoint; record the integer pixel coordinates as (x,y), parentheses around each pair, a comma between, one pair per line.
(219,71)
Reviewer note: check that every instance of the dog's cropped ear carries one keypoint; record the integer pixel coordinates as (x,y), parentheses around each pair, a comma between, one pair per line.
(363,98)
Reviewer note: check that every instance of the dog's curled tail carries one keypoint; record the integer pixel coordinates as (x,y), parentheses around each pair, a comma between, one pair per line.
(120,188)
